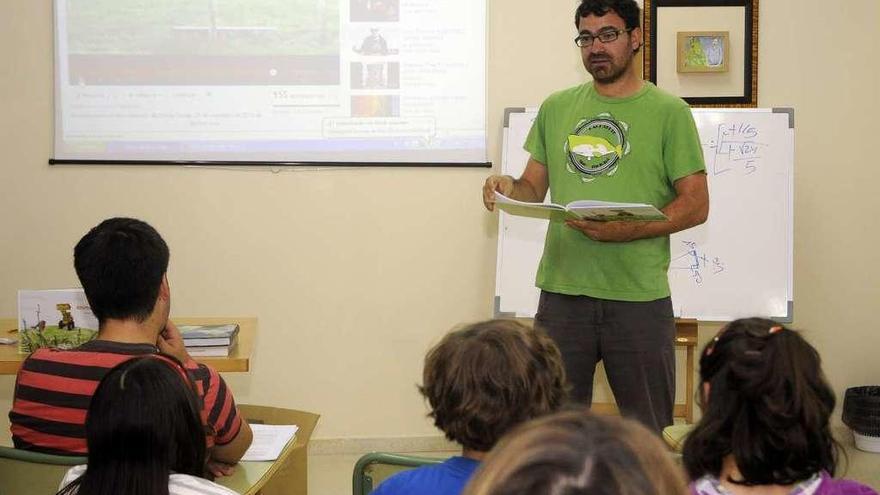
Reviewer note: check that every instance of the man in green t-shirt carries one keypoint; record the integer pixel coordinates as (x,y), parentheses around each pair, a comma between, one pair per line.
(604,285)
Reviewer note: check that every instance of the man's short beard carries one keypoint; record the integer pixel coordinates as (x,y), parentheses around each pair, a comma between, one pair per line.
(614,76)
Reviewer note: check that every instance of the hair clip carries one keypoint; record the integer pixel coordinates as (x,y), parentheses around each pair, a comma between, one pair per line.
(776,329)
(711,348)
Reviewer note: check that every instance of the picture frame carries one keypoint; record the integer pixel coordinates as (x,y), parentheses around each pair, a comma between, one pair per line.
(732,82)
(702,51)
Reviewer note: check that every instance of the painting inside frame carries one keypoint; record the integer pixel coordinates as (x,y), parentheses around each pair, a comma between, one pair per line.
(702,51)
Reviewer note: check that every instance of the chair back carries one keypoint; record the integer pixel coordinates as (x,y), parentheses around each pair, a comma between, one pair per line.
(371,469)
(31,473)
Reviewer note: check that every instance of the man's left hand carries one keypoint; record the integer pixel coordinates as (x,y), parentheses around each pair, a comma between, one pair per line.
(606,231)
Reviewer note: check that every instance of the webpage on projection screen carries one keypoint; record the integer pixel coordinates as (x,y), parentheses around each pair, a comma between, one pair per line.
(271,80)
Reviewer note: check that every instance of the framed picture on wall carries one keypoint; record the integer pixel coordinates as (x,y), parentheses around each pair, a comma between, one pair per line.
(702,51)
(705,51)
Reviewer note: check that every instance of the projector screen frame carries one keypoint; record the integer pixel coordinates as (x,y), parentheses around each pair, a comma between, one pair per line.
(59,72)
(220,163)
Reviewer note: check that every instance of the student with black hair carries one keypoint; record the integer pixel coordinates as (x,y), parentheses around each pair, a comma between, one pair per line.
(122,265)
(766,409)
(144,433)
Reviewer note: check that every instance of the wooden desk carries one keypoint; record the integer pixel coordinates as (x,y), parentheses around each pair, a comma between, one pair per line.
(685,336)
(251,476)
(288,475)
(238,359)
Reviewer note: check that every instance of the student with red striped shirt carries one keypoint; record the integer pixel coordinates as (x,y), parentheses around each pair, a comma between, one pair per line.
(122,265)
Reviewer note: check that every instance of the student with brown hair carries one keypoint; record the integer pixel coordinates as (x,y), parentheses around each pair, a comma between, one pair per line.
(766,410)
(578,453)
(480,382)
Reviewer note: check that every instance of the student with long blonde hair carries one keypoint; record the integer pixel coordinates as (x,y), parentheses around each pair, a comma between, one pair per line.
(578,453)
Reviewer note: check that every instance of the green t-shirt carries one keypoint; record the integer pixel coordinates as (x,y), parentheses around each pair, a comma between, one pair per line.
(629,149)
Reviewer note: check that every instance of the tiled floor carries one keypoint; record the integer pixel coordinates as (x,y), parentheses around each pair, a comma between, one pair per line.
(330,474)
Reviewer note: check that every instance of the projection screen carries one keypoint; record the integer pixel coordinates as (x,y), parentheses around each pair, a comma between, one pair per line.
(270,81)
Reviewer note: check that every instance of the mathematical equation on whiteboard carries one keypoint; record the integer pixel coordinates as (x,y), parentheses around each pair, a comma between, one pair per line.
(697,263)
(734,147)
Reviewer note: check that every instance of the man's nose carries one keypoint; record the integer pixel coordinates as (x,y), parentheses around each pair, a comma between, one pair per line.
(597,46)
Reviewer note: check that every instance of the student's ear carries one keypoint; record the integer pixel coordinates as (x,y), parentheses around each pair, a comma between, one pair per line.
(705,397)
(164,288)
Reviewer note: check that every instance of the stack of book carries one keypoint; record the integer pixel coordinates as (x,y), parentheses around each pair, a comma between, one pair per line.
(209,340)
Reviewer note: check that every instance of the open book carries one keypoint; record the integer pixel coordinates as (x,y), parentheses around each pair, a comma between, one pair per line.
(602,211)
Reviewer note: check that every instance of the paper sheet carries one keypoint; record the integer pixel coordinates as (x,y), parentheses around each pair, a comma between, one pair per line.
(269,441)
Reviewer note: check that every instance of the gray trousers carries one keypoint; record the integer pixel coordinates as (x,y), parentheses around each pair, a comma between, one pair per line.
(634,340)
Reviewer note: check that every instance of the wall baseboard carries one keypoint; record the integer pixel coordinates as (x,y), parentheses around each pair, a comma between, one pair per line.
(436,443)
(381,444)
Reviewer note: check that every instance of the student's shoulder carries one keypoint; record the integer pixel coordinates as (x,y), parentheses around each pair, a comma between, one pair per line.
(445,478)
(400,483)
(832,486)
(202,371)
(405,482)
(72,474)
(184,484)
(71,358)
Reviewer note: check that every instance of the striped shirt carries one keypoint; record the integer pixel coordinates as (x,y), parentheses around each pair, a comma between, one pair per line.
(178,484)
(54,387)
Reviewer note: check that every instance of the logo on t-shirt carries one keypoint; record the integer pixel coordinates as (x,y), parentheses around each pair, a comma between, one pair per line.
(596,146)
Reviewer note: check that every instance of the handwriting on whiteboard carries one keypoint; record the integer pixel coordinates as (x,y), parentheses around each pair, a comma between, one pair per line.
(735,147)
(697,262)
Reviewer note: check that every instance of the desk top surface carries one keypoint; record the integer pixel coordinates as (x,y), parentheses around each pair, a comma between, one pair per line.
(250,476)
(238,359)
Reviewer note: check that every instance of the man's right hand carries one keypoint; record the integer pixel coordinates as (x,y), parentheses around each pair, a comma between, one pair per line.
(500,183)
(171,342)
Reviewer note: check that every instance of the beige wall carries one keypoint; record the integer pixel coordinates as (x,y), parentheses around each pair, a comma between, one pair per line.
(353,273)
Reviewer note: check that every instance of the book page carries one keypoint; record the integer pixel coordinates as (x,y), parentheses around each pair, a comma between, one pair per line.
(269,441)
(592,203)
(547,211)
(637,213)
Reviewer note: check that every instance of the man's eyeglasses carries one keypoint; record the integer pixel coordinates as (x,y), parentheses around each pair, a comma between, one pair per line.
(586,40)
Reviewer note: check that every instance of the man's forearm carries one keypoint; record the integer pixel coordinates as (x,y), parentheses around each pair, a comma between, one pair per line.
(683,212)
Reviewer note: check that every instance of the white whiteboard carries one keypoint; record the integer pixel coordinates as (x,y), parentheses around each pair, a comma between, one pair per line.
(739,263)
